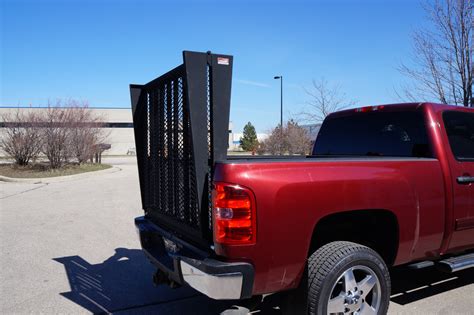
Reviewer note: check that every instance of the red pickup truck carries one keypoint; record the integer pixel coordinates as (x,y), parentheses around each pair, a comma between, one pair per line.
(384,186)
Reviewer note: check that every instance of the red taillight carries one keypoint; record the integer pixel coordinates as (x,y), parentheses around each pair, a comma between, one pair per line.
(233,213)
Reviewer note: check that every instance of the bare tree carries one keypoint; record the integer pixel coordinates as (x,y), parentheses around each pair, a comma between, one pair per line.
(323,100)
(56,135)
(295,140)
(272,144)
(71,130)
(85,131)
(442,66)
(21,138)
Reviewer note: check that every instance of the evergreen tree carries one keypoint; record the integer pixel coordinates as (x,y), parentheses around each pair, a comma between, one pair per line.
(249,140)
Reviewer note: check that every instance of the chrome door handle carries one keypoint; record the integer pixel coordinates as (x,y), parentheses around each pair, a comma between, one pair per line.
(463,180)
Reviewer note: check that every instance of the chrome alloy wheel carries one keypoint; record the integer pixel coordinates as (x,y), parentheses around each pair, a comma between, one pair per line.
(356,291)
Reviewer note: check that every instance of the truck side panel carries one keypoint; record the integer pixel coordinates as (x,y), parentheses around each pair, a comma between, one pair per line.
(292,197)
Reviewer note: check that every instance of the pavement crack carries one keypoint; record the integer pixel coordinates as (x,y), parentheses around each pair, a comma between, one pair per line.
(24,191)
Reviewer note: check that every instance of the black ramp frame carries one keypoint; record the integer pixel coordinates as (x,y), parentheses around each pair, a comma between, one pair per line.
(181,124)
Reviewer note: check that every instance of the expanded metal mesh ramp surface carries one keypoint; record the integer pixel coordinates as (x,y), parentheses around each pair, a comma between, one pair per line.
(181,129)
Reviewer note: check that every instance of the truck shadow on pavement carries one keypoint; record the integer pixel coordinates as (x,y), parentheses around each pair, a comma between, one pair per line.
(412,285)
(122,285)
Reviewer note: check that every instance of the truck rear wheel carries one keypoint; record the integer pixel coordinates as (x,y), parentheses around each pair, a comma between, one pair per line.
(348,278)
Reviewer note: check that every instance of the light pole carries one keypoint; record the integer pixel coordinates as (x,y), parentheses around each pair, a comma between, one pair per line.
(280,77)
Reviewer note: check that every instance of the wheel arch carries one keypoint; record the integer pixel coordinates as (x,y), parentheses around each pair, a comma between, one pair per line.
(374,228)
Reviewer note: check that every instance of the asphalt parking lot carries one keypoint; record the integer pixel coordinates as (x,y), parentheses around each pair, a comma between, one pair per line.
(70,246)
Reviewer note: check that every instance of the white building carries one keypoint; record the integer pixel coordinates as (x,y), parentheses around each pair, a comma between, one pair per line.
(118,125)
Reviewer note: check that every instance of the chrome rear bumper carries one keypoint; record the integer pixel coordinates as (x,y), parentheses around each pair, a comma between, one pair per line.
(185,264)
(226,286)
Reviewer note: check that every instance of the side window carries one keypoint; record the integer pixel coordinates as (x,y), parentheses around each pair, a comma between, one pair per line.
(460,130)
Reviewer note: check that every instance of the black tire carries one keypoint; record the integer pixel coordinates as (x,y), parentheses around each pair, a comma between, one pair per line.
(329,263)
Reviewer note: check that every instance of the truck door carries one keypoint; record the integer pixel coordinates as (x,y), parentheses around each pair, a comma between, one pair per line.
(459,127)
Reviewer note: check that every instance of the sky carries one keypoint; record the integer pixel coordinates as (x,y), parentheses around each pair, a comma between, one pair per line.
(92,50)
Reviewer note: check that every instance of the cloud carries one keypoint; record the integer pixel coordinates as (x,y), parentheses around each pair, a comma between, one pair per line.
(253,83)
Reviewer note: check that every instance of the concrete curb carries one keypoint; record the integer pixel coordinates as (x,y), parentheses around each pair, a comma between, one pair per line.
(56,179)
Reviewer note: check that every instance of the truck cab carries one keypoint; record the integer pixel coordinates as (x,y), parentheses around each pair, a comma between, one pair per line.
(454,139)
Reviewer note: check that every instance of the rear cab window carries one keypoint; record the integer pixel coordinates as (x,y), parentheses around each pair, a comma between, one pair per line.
(375,133)
(460,130)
